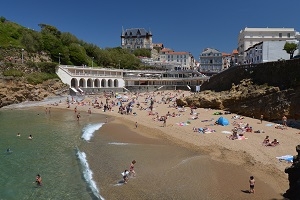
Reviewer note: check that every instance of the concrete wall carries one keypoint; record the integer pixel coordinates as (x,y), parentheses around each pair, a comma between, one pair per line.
(283,74)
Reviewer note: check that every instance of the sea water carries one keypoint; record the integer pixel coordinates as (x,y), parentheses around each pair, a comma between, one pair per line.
(54,153)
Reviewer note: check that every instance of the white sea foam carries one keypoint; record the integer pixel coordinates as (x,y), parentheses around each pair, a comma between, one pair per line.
(118,143)
(88,174)
(89,130)
(46,101)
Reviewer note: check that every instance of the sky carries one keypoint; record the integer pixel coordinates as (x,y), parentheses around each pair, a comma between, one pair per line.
(189,25)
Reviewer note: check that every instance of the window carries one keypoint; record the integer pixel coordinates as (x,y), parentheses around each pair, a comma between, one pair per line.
(288,35)
(280,35)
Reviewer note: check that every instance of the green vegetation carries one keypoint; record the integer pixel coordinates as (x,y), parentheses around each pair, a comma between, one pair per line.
(290,48)
(65,47)
(39,77)
(13,72)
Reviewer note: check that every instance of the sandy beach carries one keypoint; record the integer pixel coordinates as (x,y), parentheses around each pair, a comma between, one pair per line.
(233,160)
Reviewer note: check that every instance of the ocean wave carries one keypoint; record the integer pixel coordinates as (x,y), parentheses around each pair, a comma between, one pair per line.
(89,130)
(88,174)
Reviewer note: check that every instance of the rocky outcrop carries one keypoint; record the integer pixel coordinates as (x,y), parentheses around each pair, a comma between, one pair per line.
(249,100)
(17,90)
(294,177)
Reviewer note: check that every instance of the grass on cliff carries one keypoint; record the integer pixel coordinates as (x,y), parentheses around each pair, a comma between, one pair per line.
(13,72)
(39,77)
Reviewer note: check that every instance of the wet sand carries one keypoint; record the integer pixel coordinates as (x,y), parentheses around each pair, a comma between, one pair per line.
(165,170)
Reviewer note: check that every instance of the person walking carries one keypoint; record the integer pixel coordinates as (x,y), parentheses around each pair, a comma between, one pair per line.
(131,168)
(261,118)
(136,125)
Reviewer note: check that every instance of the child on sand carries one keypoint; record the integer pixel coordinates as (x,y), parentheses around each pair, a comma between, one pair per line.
(125,176)
(131,169)
(252,183)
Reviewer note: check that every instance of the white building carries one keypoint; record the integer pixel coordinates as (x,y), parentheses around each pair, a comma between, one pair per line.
(251,36)
(183,59)
(268,51)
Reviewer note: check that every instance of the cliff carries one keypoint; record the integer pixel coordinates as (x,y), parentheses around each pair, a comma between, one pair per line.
(14,91)
(269,89)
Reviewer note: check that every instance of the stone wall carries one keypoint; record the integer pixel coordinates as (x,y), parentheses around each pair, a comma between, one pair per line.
(282,74)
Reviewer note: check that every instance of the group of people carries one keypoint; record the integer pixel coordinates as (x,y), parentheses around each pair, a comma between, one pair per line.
(127,173)
(267,142)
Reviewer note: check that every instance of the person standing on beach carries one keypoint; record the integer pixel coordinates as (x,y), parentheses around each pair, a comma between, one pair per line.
(165,122)
(252,183)
(78,116)
(284,120)
(136,124)
(261,118)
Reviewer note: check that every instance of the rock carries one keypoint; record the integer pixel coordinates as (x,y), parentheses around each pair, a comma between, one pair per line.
(294,177)
(250,100)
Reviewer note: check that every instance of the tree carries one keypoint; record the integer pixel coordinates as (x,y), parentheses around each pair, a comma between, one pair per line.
(290,48)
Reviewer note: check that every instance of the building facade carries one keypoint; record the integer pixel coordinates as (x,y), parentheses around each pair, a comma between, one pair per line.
(251,36)
(268,51)
(184,60)
(136,38)
(211,61)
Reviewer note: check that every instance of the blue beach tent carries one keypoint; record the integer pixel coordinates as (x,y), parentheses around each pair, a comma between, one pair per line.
(223,121)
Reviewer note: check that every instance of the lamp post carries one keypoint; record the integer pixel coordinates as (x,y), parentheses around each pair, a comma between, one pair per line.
(22,55)
(92,61)
(58,58)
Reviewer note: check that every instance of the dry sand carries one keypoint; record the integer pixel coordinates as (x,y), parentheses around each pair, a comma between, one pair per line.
(248,154)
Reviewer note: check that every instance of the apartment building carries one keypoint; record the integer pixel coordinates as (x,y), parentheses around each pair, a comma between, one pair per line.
(211,61)
(184,60)
(248,37)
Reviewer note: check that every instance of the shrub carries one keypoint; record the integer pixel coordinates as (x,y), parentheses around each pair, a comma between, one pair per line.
(39,77)
(13,72)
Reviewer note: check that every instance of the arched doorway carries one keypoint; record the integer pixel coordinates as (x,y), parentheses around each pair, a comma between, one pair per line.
(89,83)
(74,83)
(109,83)
(96,83)
(116,83)
(82,83)
(103,83)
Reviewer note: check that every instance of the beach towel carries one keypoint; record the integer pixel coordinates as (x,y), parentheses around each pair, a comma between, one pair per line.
(227,132)
(287,158)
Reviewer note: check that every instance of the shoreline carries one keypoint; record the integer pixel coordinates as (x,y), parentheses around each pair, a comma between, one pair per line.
(249,154)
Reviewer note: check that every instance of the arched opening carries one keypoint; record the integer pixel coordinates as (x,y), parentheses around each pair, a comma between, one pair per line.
(103,83)
(89,83)
(82,83)
(109,83)
(96,83)
(74,83)
(116,83)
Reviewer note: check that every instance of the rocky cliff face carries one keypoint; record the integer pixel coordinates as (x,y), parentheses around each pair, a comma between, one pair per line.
(250,100)
(17,90)
(294,177)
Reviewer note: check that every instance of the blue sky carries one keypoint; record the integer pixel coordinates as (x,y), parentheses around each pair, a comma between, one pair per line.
(189,25)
